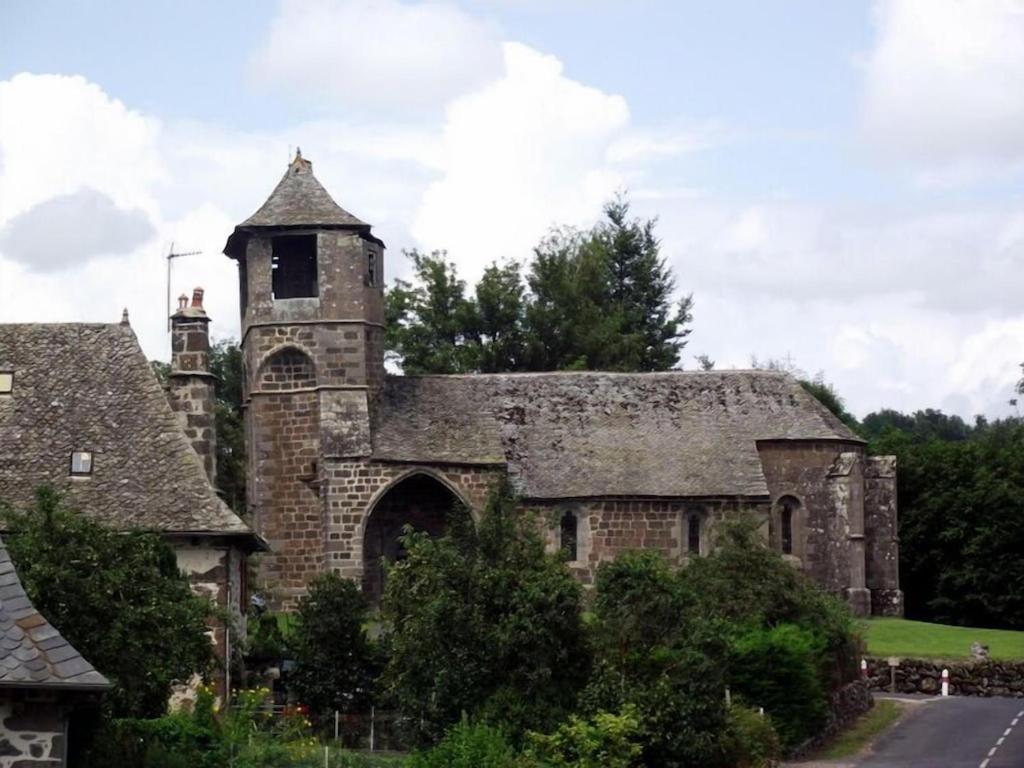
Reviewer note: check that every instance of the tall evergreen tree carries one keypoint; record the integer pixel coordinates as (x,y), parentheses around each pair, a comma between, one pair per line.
(650,330)
(498,319)
(430,321)
(600,299)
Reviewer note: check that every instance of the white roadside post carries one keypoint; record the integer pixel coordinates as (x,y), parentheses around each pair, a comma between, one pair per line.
(864,669)
(945,682)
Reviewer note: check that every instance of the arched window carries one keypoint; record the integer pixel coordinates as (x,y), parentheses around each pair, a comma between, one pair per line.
(787,530)
(569,535)
(787,507)
(693,533)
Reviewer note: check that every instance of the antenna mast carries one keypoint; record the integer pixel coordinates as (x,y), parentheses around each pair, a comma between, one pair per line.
(171,255)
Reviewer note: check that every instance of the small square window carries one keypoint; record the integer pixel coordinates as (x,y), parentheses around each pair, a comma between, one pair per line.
(6,382)
(81,463)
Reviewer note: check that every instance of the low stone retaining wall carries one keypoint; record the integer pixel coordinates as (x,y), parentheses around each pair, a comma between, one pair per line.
(845,705)
(966,678)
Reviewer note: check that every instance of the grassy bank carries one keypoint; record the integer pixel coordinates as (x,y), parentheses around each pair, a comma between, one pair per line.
(869,725)
(919,639)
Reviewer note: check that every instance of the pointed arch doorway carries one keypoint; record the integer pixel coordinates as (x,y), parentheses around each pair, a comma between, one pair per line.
(418,500)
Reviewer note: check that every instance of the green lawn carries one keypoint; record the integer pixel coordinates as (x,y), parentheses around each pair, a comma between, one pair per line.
(861,733)
(918,639)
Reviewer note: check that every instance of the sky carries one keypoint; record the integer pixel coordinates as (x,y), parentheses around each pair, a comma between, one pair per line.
(840,185)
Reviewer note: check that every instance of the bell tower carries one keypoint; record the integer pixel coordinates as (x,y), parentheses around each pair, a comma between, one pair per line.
(312,310)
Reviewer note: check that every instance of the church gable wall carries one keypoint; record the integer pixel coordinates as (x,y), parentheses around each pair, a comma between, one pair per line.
(801,470)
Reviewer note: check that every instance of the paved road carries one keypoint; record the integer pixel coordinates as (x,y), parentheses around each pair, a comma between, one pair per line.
(957,732)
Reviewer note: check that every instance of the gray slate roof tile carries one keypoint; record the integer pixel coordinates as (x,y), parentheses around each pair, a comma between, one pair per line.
(89,387)
(572,435)
(300,200)
(39,657)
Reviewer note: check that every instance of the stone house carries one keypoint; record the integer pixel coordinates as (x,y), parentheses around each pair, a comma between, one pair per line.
(43,680)
(82,411)
(342,455)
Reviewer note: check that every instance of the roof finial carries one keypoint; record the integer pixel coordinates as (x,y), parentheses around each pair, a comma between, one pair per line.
(124,316)
(298,153)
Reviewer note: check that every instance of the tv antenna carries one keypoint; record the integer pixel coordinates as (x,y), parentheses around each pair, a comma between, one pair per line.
(171,255)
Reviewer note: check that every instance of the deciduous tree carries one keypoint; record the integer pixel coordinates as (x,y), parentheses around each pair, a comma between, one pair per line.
(117,597)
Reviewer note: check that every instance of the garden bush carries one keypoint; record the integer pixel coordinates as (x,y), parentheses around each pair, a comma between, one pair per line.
(779,669)
(483,621)
(604,741)
(468,745)
(751,740)
(336,663)
(654,653)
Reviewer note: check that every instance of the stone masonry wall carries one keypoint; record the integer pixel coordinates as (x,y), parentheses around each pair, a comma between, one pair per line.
(826,478)
(191,386)
(215,570)
(966,678)
(284,500)
(882,536)
(32,730)
(611,527)
(351,487)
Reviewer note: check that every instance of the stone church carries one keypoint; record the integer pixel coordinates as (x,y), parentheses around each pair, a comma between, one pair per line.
(343,455)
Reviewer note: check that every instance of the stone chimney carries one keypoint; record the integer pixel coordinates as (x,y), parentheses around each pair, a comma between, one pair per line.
(191,383)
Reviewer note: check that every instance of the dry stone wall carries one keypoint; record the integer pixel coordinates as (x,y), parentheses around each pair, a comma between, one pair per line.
(966,678)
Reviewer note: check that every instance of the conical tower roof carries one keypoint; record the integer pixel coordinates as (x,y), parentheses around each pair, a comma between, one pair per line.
(298,201)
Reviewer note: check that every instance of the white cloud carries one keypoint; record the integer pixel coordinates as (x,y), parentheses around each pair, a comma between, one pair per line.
(70,228)
(519,155)
(61,134)
(943,85)
(381,53)
(901,308)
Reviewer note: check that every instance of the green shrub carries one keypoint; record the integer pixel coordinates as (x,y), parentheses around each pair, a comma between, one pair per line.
(336,663)
(482,620)
(605,741)
(120,600)
(656,654)
(751,739)
(468,746)
(779,669)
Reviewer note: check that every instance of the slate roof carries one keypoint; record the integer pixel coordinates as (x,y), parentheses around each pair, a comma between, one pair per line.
(572,435)
(89,387)
(32,652)
(298,200)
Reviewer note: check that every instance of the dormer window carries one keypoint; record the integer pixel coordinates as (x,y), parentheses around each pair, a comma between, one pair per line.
(293,267)
(6,382)
(81,463)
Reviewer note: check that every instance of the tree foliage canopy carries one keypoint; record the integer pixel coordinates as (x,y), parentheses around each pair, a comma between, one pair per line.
(117,597)
(961,506)
(481,620)
(600,299)
(336,663)
(668,641)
